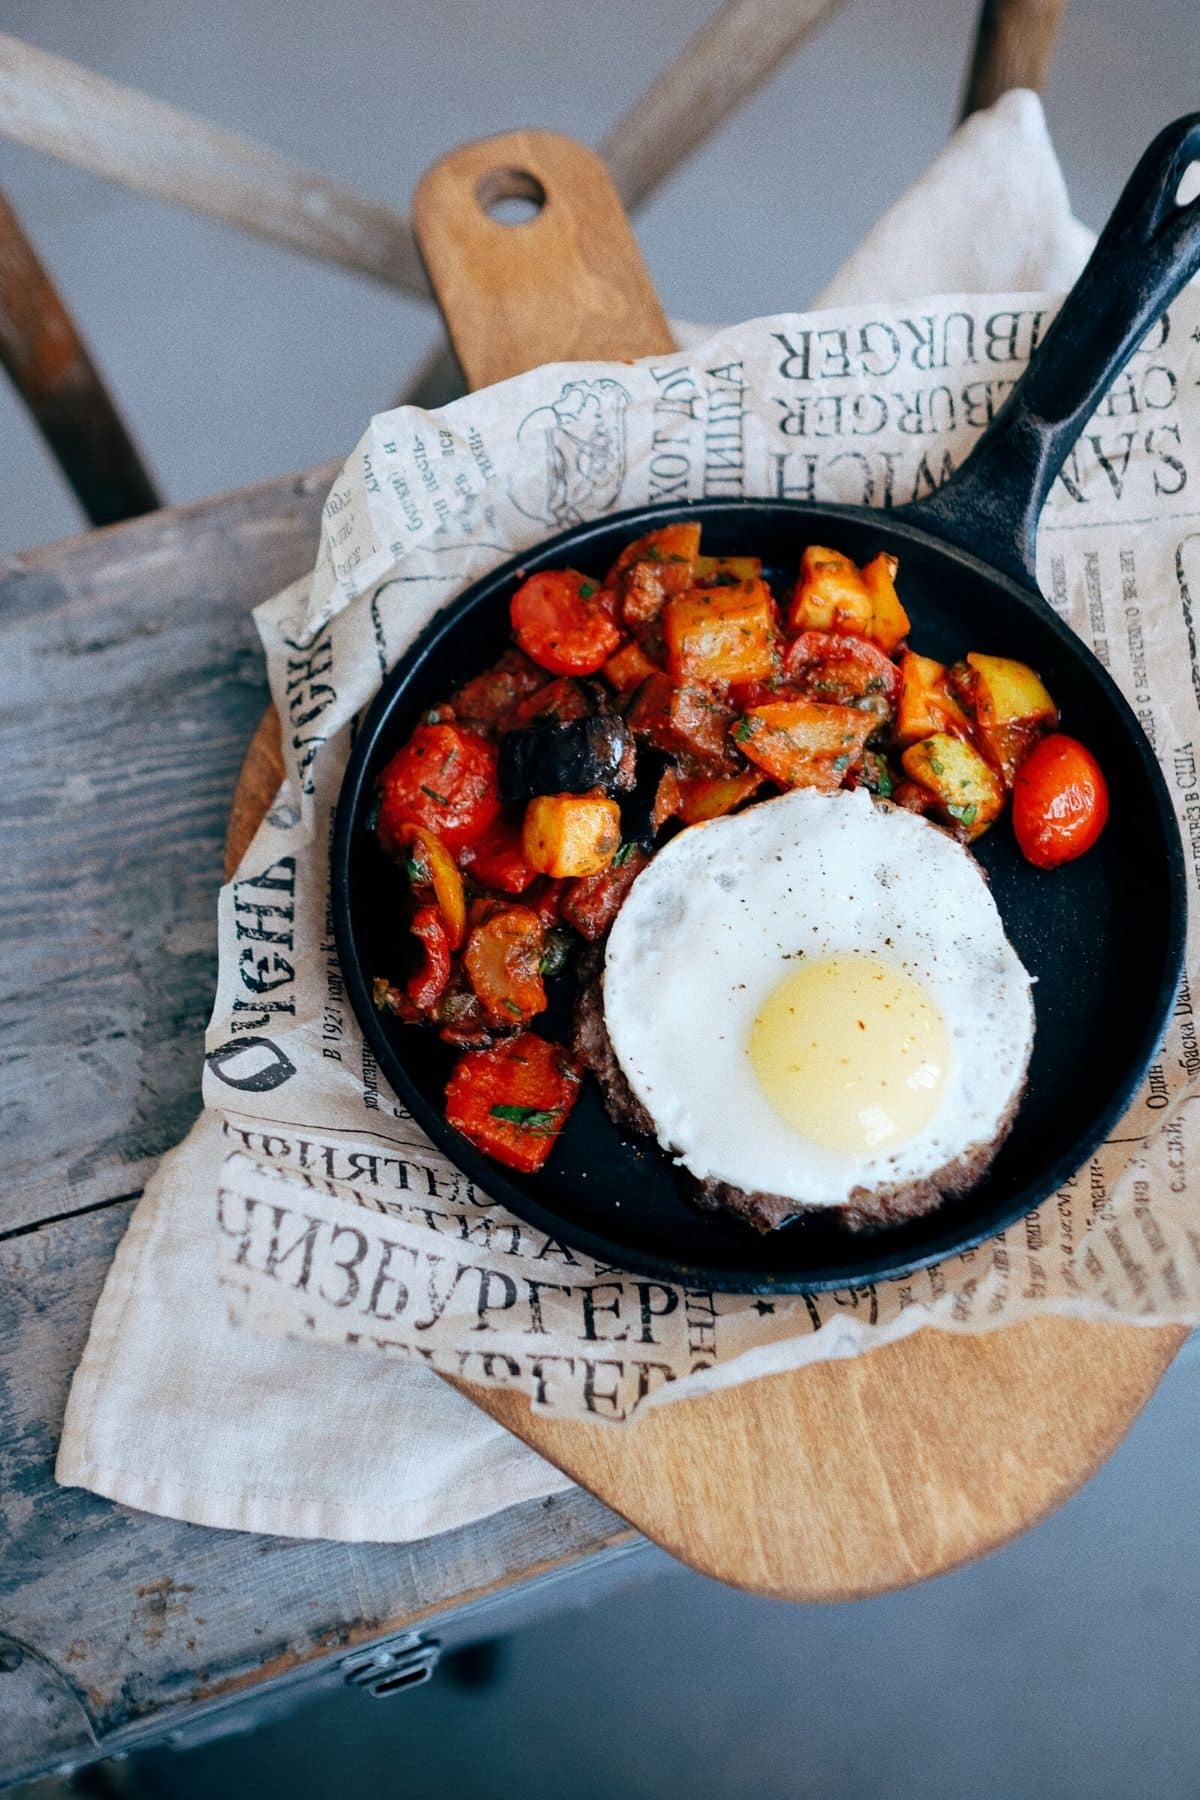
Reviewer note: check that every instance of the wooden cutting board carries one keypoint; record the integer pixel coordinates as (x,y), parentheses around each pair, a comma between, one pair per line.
(847,1478)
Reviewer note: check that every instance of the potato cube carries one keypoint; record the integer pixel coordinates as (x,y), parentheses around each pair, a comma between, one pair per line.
(1010,690)
(830,594)
(571,834)
(925,704)
(967,789)
(725,571)
(802,743)
(721,635)
(628,668)
(711,797)
(673,549)
(889,621)
(1012,710)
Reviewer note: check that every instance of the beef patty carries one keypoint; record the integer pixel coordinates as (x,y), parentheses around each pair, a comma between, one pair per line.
(866,1208)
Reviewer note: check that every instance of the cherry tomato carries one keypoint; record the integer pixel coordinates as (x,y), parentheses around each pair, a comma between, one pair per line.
(444,779)
(561,621)
(497,860)
(841,668)
(1060,802)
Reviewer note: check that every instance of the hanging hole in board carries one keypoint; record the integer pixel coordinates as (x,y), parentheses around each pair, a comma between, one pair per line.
(510,196)
(1189,186)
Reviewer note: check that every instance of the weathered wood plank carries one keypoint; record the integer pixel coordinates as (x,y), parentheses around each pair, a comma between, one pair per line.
(141,1618)
(50,104)
(1013,46)
(49,365)
(717,71)
(133,682)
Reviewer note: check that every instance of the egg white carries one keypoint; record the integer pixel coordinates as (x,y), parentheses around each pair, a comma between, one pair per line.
(717,920)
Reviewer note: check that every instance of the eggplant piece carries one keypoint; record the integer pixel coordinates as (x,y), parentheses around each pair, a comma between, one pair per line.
(573,757)
(637,807)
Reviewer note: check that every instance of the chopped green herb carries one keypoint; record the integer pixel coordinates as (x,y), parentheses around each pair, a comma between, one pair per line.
(372,818)
(966,815)
(587,589)
(529,1118)
(417,872)
(652,553)
(936,766)
(744,731)
(512,1007)
(623,855)
(841,763)
(438,799)
(876,775)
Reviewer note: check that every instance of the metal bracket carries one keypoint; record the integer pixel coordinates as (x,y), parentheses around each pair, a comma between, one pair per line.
(392,1666)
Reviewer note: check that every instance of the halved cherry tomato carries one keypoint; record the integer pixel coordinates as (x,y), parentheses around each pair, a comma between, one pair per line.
(444,778)
(426,987)
(1060,802)
(503,962)
(559,620)
(429,865)
(840,668)
(513,1101)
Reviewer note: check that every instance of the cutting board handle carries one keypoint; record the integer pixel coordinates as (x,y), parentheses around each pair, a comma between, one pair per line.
(566,283)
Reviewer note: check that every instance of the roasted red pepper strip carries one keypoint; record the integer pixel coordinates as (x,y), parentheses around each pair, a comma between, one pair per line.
(426,987)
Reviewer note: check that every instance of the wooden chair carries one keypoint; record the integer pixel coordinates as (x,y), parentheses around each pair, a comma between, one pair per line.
(47,103)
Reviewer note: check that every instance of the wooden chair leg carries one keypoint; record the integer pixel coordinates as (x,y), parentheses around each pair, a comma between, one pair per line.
(41,349)
(1013,46)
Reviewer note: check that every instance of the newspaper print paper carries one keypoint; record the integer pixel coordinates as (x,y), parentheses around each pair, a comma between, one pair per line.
(334,1217)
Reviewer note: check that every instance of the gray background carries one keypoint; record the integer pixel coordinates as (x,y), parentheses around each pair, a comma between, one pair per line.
(1069,1663)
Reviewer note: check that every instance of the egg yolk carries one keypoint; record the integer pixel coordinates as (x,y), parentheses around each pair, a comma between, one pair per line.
(851,1052)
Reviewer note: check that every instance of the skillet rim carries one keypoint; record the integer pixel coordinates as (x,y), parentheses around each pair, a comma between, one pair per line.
(904,524)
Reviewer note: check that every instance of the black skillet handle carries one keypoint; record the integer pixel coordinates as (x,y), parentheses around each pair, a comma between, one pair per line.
(1146,253)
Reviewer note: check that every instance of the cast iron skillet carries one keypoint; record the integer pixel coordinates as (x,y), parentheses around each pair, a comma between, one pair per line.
(1104,936)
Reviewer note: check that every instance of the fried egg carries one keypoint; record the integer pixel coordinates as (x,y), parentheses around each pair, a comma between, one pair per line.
(816,997)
